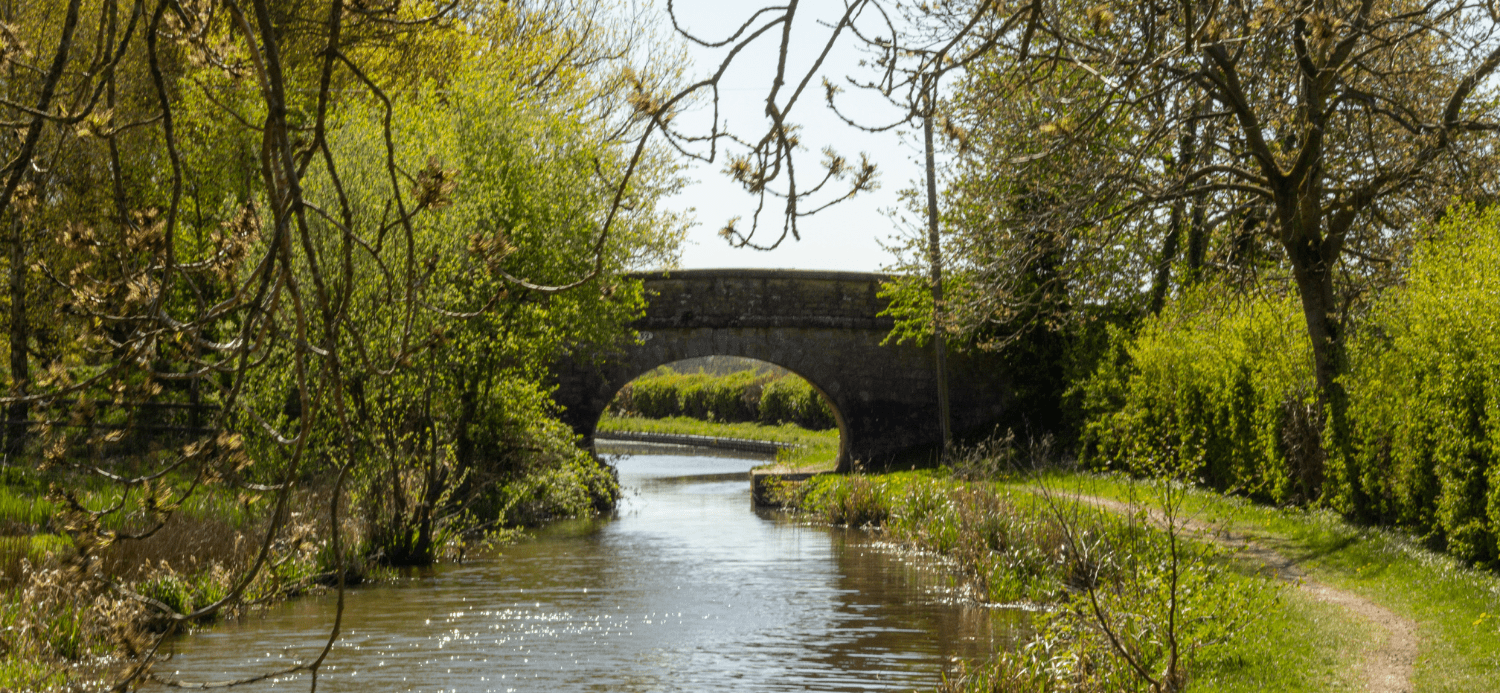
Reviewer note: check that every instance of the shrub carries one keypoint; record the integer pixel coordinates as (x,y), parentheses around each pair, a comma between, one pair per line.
(729,398)
(515,464)
(732,398)
(653,396)
(1216,382)
(1425,395)
(793,400)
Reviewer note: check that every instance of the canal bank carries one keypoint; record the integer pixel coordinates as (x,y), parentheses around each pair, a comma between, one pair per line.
(759,447)
(1267,599)
(793,446)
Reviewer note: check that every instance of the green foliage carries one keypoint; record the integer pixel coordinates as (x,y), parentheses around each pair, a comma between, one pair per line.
(855,501)
(728,398)
(578,487)
(387,351)
(1014,545)
(1425,396)
(793,400)
(446,412)
(175,591)
(1213,385)
(24,511)
(18,551)
(1223,383)
(1007,547)
(731,398)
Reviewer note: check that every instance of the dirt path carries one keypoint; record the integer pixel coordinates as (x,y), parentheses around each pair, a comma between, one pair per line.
(1388,663)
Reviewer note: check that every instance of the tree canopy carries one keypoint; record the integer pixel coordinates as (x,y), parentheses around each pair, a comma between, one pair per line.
(1109,152)
(348,238)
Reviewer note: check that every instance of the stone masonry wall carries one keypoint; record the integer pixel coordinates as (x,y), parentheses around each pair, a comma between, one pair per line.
(824,326)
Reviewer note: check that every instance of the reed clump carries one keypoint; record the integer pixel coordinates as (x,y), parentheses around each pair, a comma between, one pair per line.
(80,592)
(1007,547)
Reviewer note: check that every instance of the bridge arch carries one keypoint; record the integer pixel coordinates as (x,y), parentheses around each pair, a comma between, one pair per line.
(823,326)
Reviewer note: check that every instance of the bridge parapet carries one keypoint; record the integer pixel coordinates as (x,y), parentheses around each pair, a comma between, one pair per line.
(764,298)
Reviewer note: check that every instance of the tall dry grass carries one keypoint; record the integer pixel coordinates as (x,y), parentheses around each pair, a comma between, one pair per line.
(68,611)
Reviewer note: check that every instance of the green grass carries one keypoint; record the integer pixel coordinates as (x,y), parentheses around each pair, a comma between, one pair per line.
(1299,645)
(22,675)
(24,509)
(1006,544)
(818,450)
(33,548)
(1456,608)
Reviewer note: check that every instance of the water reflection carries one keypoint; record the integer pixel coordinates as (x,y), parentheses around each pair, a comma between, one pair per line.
(686,589)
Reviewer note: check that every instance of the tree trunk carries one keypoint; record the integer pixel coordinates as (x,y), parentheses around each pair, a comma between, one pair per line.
(939,341)
(1197,243)
(17,413)
(1187,154)
(1313,274)
(1163,276)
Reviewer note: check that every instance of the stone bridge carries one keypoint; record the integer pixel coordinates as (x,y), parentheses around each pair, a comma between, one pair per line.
(823,326)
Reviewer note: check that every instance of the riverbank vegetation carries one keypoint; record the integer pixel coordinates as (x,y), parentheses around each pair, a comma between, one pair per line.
(283,284)
(1222,381)
(732,398)
(290,275)
(1121,603)
(1211,284)
(1205,270)
(1452,602)
(1218,386)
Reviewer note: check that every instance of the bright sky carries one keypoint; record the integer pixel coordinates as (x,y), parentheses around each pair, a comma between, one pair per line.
(844,237)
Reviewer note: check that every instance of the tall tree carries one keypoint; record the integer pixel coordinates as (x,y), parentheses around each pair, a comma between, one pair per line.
(1323,131)
(225,197)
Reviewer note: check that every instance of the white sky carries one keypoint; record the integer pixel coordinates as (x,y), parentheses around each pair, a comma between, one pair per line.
(844,237)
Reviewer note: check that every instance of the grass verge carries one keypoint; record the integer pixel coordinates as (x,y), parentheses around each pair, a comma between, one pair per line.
(817,451)
(63,623)
(1239,630)
(1456,608)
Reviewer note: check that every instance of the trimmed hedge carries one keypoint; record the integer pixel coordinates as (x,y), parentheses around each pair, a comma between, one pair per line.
(791,399)
(733,398)
(698,395)
(1426,396)
(1222,386)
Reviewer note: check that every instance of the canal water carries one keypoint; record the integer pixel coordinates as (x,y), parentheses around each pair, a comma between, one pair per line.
(687,589)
